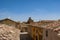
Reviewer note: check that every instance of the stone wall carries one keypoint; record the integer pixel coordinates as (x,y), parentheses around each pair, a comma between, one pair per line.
(51,35)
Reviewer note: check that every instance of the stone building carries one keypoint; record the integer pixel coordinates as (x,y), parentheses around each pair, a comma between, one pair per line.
(35,29)
(29,20)
(10,22)
(24,27)
(51,31)
(35,32)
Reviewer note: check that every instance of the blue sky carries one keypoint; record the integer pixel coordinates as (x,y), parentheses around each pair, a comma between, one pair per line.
(21,10)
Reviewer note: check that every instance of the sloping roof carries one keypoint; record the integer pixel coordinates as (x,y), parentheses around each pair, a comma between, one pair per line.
(23,25)
(7,19)
(57,30)
(52,25)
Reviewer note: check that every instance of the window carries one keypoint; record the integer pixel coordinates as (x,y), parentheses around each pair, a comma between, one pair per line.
(46,33)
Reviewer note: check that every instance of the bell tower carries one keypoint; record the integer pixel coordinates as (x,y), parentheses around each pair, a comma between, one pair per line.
(30,20)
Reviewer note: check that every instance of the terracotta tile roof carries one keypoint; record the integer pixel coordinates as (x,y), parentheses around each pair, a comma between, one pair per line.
(23,25)
(34,24)
(7,19)
(57,30)
(53,25)
(9,32)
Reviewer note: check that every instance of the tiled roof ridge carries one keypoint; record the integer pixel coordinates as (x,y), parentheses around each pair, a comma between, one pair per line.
(52,25)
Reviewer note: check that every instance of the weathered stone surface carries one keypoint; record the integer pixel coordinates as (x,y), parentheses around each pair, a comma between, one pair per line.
(9,33)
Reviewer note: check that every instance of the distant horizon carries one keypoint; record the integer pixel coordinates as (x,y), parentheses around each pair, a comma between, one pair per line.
(32,19)
(21,10)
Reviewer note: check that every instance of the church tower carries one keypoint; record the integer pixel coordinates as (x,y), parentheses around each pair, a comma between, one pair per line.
(30,20)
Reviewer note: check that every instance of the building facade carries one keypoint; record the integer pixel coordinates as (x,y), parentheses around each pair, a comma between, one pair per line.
(51,31)
(35,32)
